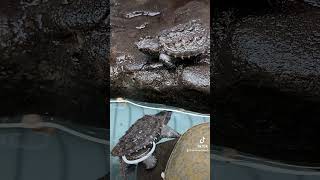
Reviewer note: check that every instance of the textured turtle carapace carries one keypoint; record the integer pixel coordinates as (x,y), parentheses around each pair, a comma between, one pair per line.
(139,138)
(179,42)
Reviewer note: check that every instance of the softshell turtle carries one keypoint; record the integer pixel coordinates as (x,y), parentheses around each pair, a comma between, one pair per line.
(179,42)
(139,141)
(190,158)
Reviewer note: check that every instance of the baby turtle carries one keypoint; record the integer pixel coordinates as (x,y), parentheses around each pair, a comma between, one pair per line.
(180,42)
(190,158)
(139,141)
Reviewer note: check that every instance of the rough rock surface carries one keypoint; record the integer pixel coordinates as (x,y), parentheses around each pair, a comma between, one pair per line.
(54,58)
(283,49)
(267,90)
(137,76)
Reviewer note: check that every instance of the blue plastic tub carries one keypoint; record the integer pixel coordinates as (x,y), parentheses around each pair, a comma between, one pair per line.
(123,113)
(238,166)
(69,152)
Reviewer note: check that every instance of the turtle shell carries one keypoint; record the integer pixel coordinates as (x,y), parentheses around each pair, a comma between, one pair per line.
(190,158)
(142,133)
(185,40)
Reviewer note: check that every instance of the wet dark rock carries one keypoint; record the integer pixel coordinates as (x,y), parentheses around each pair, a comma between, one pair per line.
(81,14)
(197,77)
(141,77)
(54,58)
(277,51)
(288,50)
(267,91)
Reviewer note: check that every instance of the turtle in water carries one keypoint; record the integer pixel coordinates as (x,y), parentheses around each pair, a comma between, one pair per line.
(139,141)
(179,42)
(190,158)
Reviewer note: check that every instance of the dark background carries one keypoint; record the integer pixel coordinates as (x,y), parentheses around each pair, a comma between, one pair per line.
(54,60)
(264,91)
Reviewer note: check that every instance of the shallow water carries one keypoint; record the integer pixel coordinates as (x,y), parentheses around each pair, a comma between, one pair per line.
(230,166)
(52,154)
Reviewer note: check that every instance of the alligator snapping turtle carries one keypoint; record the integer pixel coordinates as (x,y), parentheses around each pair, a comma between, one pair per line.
(180,42)
(139,141)
(190,158)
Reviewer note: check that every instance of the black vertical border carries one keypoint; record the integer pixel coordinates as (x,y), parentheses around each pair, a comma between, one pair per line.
(211,70)
(107,93)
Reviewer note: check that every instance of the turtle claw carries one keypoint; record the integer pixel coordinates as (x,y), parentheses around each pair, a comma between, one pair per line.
(168,132)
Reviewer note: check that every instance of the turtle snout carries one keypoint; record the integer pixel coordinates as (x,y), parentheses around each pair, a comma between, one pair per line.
(149,46)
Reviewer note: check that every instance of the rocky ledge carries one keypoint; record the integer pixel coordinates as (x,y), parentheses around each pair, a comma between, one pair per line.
(138,76)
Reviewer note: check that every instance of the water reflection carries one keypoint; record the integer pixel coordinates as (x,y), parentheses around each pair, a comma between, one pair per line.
(52,150)
(230,166)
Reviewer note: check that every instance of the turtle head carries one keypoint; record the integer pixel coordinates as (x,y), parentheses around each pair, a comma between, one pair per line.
(166,131)
(149,46)
(164,116)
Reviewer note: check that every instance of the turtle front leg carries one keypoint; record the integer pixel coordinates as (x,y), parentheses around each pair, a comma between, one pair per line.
(150,162)
(167,60)
(123,168)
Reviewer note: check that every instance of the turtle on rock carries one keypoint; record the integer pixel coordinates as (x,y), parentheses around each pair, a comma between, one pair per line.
(181,42)
(139,141)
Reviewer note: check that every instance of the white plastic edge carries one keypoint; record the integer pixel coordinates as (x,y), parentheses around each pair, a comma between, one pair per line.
(155,108)
(136,161)
(53,125)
